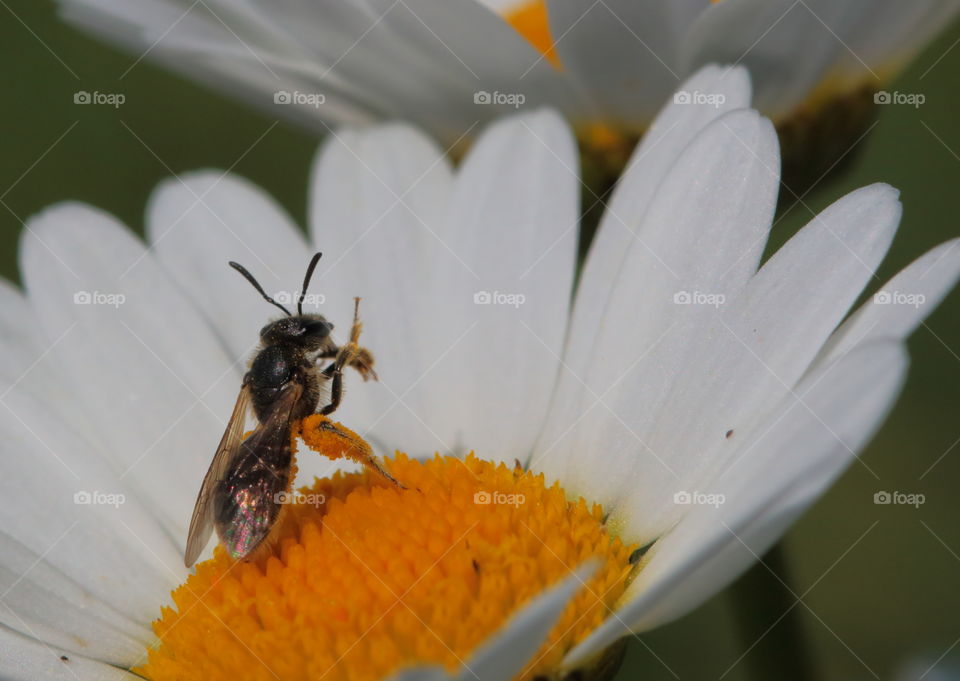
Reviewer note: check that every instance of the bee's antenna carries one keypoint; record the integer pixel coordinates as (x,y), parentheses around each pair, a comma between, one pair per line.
(306,280)
(249,277)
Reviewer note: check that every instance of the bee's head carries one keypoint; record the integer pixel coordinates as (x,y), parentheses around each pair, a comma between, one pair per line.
(308,331)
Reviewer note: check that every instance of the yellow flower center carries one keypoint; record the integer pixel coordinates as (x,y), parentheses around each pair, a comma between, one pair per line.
(530,20)
(362,577)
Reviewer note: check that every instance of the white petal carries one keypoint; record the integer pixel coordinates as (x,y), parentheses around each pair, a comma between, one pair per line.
(767,36)
(422,674)
(890,32)
(377,58)
(26,368)
(677,124)
(902,303)
(621,53)
(741,359)
(378,205)
(451,65)
(65,514)
(786,463)
(234,47)
(51,567)
(503,286)
(21,335)
(26,659)
(144,367)
(703,233)
(40,601)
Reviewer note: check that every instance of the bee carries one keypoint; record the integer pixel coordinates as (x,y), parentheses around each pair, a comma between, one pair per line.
(242,492)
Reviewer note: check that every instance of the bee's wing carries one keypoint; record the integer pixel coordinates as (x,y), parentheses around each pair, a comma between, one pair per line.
(201,523)
(250,498)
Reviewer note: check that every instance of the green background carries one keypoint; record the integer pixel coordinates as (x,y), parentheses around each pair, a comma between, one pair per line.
(865,610)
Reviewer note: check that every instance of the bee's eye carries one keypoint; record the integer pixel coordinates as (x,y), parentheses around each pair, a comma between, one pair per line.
(317,328)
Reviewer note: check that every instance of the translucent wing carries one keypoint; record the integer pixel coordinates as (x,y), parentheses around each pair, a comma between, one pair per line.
(201,523)
(248,499)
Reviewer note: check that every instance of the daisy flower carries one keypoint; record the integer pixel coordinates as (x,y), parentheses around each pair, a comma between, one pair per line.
(607,65)
(574,473)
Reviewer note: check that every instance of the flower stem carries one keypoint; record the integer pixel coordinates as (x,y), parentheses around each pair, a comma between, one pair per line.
(768,615)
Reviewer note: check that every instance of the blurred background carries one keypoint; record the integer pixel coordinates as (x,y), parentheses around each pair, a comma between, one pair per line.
(878,585)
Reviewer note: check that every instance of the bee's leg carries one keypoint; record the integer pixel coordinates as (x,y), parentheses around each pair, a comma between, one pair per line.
(359,359)
(351,353)
(334,371)
(358,450)
(362,361)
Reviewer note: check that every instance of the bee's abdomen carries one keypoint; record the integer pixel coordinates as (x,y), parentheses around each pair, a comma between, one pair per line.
(247,502)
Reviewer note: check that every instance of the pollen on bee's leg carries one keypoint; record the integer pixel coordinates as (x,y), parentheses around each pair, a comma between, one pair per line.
(366,579)
(336,441)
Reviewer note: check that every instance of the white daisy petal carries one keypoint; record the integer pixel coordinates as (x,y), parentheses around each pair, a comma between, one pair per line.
(610,63)
(21,337)
(621,52)
(422,674)
(378,211)
(766,36)
(503,286)
(645,333)
(749,353)
(44,451)
(786,462)
(358,61)
(26,368)
(154,388)
(741,359)
(676,125)
(902,303)
(236,48)
(25,659)
(64,506)
(895,31)
(455,65)
(40,601)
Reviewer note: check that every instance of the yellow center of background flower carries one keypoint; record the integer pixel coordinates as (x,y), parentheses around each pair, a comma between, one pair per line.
(530,20)
(364,578)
